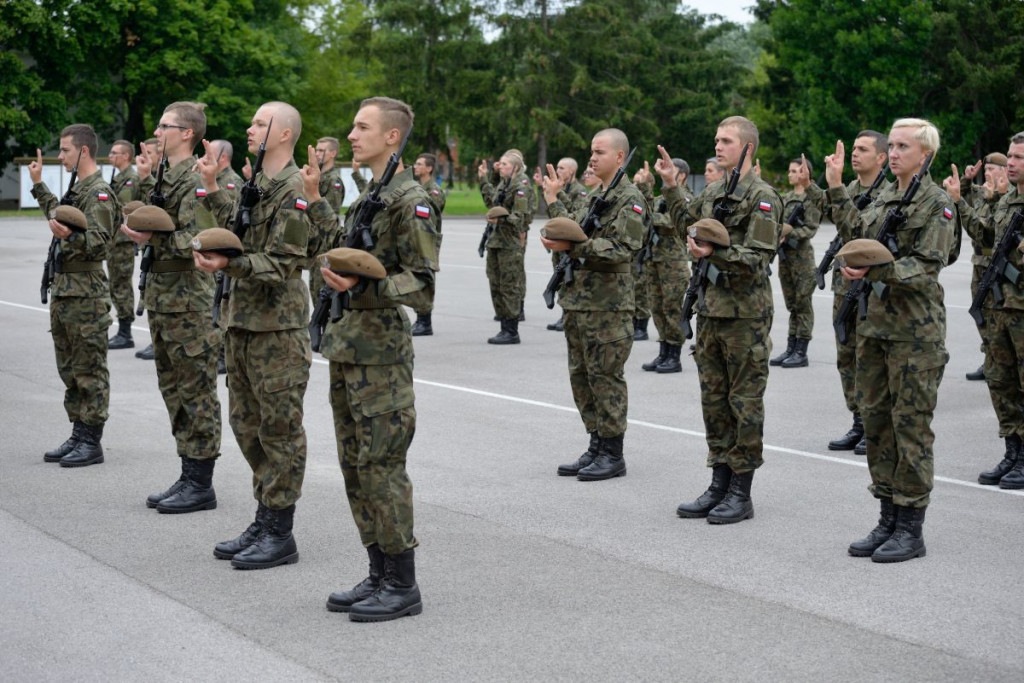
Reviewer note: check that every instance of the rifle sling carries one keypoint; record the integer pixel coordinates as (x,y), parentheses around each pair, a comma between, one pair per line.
(78,266)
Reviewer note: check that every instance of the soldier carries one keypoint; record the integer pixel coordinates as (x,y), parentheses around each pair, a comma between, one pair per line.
(713,171)
(868,158)
(505,266)
(573,196)
(1003,329)
(900,349)
(179,298)
(801,209)
(80,307)
(229,181)
(666,269)
(145,163)
(734,323)
(598,307)
(423,170)
(371,356)
(332,189)
(124,181)
(267,338)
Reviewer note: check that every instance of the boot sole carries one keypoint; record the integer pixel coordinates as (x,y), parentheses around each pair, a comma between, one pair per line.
(212,505)
(291,559)
(95,461)
(692,515)
(410,611)
(730,520)
(983,482)
(220,555)
(588,477)
(567,473)
(899,558)
(668,372)
(861,553)
(842,447)
(58,458)
(1011,487)
(332,607)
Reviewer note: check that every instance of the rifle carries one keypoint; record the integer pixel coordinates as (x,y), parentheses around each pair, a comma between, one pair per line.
(591,224)
(796,219)
(144,268)
(248,196)
(702,272)
(156,198)
(861,201)
(857,296)
(999,268)
(499,200)
(53,254)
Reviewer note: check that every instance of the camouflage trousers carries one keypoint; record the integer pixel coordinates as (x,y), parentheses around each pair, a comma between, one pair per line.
(796,274)
(185,347)
(976,273)
(1004,367)
(79,329)
(846,357)
(667,286)
(507,276)
(120,267)
(642,291)
(732,365)
(374,423)
(599,344)
(267,377)
(897,389)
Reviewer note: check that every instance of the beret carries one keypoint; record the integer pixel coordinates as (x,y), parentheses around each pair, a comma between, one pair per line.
(218,240)
(71,217)
(150,219)
(710,230)
(863,252)
(345,261)
(996,158)
(131,206)
(496,212)
(564,229)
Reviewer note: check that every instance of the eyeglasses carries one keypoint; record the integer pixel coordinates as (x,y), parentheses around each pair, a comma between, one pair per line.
(165,126)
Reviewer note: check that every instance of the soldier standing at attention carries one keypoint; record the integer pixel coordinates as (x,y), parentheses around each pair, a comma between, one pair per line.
(423,170)
(371,354)
(801,209)
(267,338)
(733,341)
(80,304)
(179,298)
(901,352)
(598,307)
(121,259)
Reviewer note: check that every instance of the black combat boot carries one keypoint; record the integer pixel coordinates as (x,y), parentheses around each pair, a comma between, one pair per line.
(146,353)
(879,535)
(736,506)
(907,541)
(153,499)
(862,446)
(509,333)
(609,462)
(196,494)
(573,468)
(343,600)
(123,338)
(671,362)
(225,550)
(790,347)
(88,451)
(558,325)
(60,451)
(398,594)
(978,375)
(658,360)
(274,546)
(721,475)
(640,329)
(797,359)
(422,326)
(1010,458)
(849,440)
(1014,479)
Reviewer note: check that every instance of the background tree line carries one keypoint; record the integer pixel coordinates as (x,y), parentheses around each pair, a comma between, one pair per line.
(538,75)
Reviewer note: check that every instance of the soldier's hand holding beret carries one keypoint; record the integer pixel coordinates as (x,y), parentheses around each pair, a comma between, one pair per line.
(564,229)
(353,262)
(149,219)
(130,207)
(71,218)
(218,240)
(495,213)
(861,253)
(711,231)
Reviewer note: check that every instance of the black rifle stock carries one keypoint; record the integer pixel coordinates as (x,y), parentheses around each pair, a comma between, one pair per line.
(1000,268)
(861,201)
(144,268)
(53,254)
(591,224)
(796,219)
(499,200)
(855,301)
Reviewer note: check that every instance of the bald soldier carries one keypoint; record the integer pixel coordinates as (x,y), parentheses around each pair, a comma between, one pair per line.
(227,179)
(598,305)
(124,181)
(267,338)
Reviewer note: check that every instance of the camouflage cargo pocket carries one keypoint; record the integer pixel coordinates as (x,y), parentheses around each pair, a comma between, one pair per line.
(385,389)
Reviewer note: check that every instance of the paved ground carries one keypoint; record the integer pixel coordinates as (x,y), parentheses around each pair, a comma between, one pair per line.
(525,575)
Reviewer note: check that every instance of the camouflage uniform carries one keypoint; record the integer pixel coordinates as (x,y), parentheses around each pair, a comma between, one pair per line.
(121,258)
(733,342)
(901,352)
(667,270)
(506,271)
(796,272)
(185,342)
(331,189)
(80,303)
(574,199)
(598,306)
(230,182)
(267,340)
(973,197)
(371,354)
(437,198)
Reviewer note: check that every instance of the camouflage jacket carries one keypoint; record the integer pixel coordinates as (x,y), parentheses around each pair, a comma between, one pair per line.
(127,188)
(667,242)
(173,284)
(332,188)
(813,201)
(836,212)
(360,181)
(375,329)
(604,279)
(93,197)
(974,201)
(573,196)
(516,195)
(742,289)
(913,309)
(986,225)
(230,182)
(267,292)
(438,198)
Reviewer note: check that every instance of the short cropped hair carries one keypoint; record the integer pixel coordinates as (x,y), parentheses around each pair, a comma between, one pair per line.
(332,143)
(881,140)
(618,138)
(82,135)
(681,166)
(429,159)
(128,147)
(747,130)
(393,113)
(925,132)
(192,116)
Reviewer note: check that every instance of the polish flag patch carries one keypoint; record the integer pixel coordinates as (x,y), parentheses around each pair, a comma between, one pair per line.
(764,206)
(638,209)
(947,213)
(127,183)
(102,196)
(231,186)
(200,192)
(337,185)
(301,204)
(422,211)
(520,193)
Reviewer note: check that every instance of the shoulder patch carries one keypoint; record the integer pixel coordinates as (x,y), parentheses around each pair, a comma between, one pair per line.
(520,193)
(764,206)
(337,184)
(200,192)
(301,204)
(102,196)
(638,209)
(128,183)
(524,181)
(422,211)
(583,193)
(435,192)
(947,213)
(231,186)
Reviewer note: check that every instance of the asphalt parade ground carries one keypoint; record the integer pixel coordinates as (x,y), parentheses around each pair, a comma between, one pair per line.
(525,575)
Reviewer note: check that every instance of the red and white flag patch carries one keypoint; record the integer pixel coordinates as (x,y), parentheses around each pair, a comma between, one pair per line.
(200,192)
(301,204)
(102,196)
(231,186)
(947,213)
(337,184)
(520,193)
(422,211)
(764,206)
(127,183)
(638,209)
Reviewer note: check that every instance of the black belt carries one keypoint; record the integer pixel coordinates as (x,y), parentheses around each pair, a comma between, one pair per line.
(80,267)
(177,265)
(605,267)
